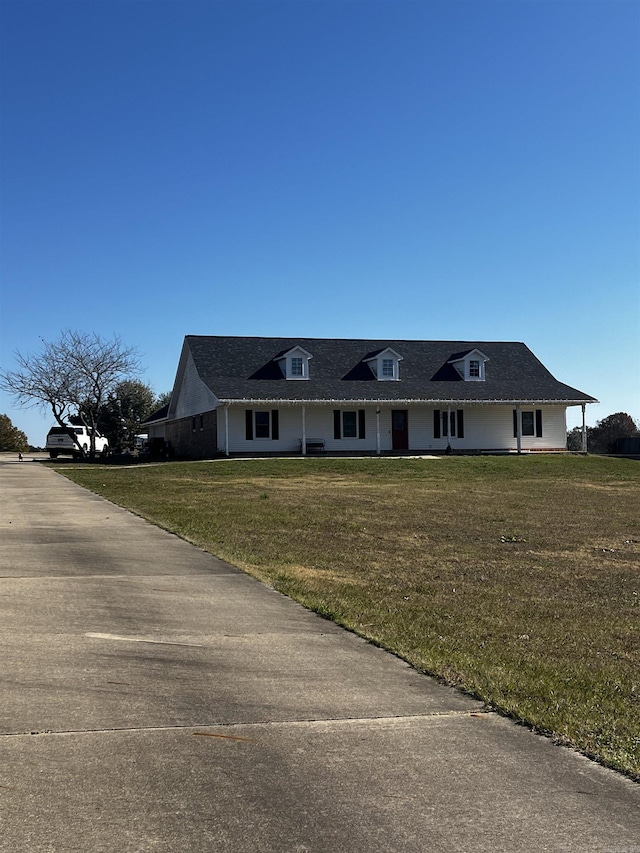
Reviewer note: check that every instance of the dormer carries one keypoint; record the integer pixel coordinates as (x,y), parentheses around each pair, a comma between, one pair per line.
(385,365)
(470,365)
(295,363)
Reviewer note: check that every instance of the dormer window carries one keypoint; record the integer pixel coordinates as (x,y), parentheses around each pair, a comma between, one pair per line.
(295,363)
(385,365)
(387,368)
(470,365)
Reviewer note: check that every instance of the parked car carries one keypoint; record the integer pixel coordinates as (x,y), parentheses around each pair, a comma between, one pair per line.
(60,440)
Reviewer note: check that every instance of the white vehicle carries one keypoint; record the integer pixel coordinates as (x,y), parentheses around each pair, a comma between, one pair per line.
(59,440)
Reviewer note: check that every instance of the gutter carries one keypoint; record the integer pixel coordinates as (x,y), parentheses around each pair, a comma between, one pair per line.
(249,401)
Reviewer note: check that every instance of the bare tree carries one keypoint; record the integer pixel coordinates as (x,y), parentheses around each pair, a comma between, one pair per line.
(71,376)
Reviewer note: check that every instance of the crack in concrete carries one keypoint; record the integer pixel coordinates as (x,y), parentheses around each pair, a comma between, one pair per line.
(271,723)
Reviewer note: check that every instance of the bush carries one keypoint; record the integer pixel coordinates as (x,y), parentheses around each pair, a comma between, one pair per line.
(11,438)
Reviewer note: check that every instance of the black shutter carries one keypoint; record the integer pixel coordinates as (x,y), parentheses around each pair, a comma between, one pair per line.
(337,432)
(436,423)
(515,423)
(460,423)
(248,420)
(361,423)
(275,425)
(538,423)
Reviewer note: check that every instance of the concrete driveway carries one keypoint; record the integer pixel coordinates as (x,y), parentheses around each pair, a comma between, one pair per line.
(155,699)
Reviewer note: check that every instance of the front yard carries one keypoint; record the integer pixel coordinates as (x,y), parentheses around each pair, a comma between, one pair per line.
(515,578)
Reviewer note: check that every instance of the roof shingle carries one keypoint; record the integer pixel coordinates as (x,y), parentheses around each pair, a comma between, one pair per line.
(243,368)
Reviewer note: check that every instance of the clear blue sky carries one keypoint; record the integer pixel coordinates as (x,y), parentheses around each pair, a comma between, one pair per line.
(390,169)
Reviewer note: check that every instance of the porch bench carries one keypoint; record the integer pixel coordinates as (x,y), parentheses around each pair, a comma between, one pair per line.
(314,445)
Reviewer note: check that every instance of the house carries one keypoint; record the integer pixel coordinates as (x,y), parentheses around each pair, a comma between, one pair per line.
(266,396)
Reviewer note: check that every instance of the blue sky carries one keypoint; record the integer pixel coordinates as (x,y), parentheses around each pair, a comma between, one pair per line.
(389,169)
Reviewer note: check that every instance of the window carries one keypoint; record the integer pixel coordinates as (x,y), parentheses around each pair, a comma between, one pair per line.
(385,365)
(447,423)
(530,421)
(527,423)
(262,424)
(294,363)
(349,424)
(387,368)
(470,366)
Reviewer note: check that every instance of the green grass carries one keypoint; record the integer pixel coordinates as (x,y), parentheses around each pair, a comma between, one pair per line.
(515,579)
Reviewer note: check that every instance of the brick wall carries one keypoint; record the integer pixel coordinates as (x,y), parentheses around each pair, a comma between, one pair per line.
(193,438)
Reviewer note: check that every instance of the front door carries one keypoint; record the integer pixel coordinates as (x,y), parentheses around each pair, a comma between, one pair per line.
(400,429)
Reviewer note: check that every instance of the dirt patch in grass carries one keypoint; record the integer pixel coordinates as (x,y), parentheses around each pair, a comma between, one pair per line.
(516,579)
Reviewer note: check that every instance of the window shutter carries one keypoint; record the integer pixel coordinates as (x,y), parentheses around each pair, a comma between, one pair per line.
(275,425)
(538,423)
(337,432)
(436,423)
(361,423)
(515,423)
(248,416)
(460,423)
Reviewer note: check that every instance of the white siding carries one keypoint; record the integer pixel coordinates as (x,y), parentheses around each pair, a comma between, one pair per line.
(420,428)
(486,427)
(194,397)
(319,425)
(490,427)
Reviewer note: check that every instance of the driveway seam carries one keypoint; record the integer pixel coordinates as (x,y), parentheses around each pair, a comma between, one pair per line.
(479,712)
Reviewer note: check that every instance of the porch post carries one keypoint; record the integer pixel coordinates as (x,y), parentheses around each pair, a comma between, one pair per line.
(226,429)
(304,430)
(378,430)
(448,426)
(519,427)
(584,428)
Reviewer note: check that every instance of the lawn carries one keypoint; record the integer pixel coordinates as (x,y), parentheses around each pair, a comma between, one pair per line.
(515,578)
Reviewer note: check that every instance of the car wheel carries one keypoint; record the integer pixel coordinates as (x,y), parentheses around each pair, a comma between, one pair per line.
(53,454)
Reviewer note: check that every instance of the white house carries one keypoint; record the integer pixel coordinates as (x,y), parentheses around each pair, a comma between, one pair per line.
(266,396)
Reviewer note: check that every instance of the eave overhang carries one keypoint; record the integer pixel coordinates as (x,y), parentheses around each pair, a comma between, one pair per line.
(398,402)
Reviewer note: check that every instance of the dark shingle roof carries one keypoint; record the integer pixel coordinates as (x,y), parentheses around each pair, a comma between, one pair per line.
(158,415)
(243,368)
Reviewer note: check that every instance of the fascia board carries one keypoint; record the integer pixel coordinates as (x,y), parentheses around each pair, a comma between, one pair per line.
(382,353)
(182,364)
(394,402)
(470,354)
(292,350)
